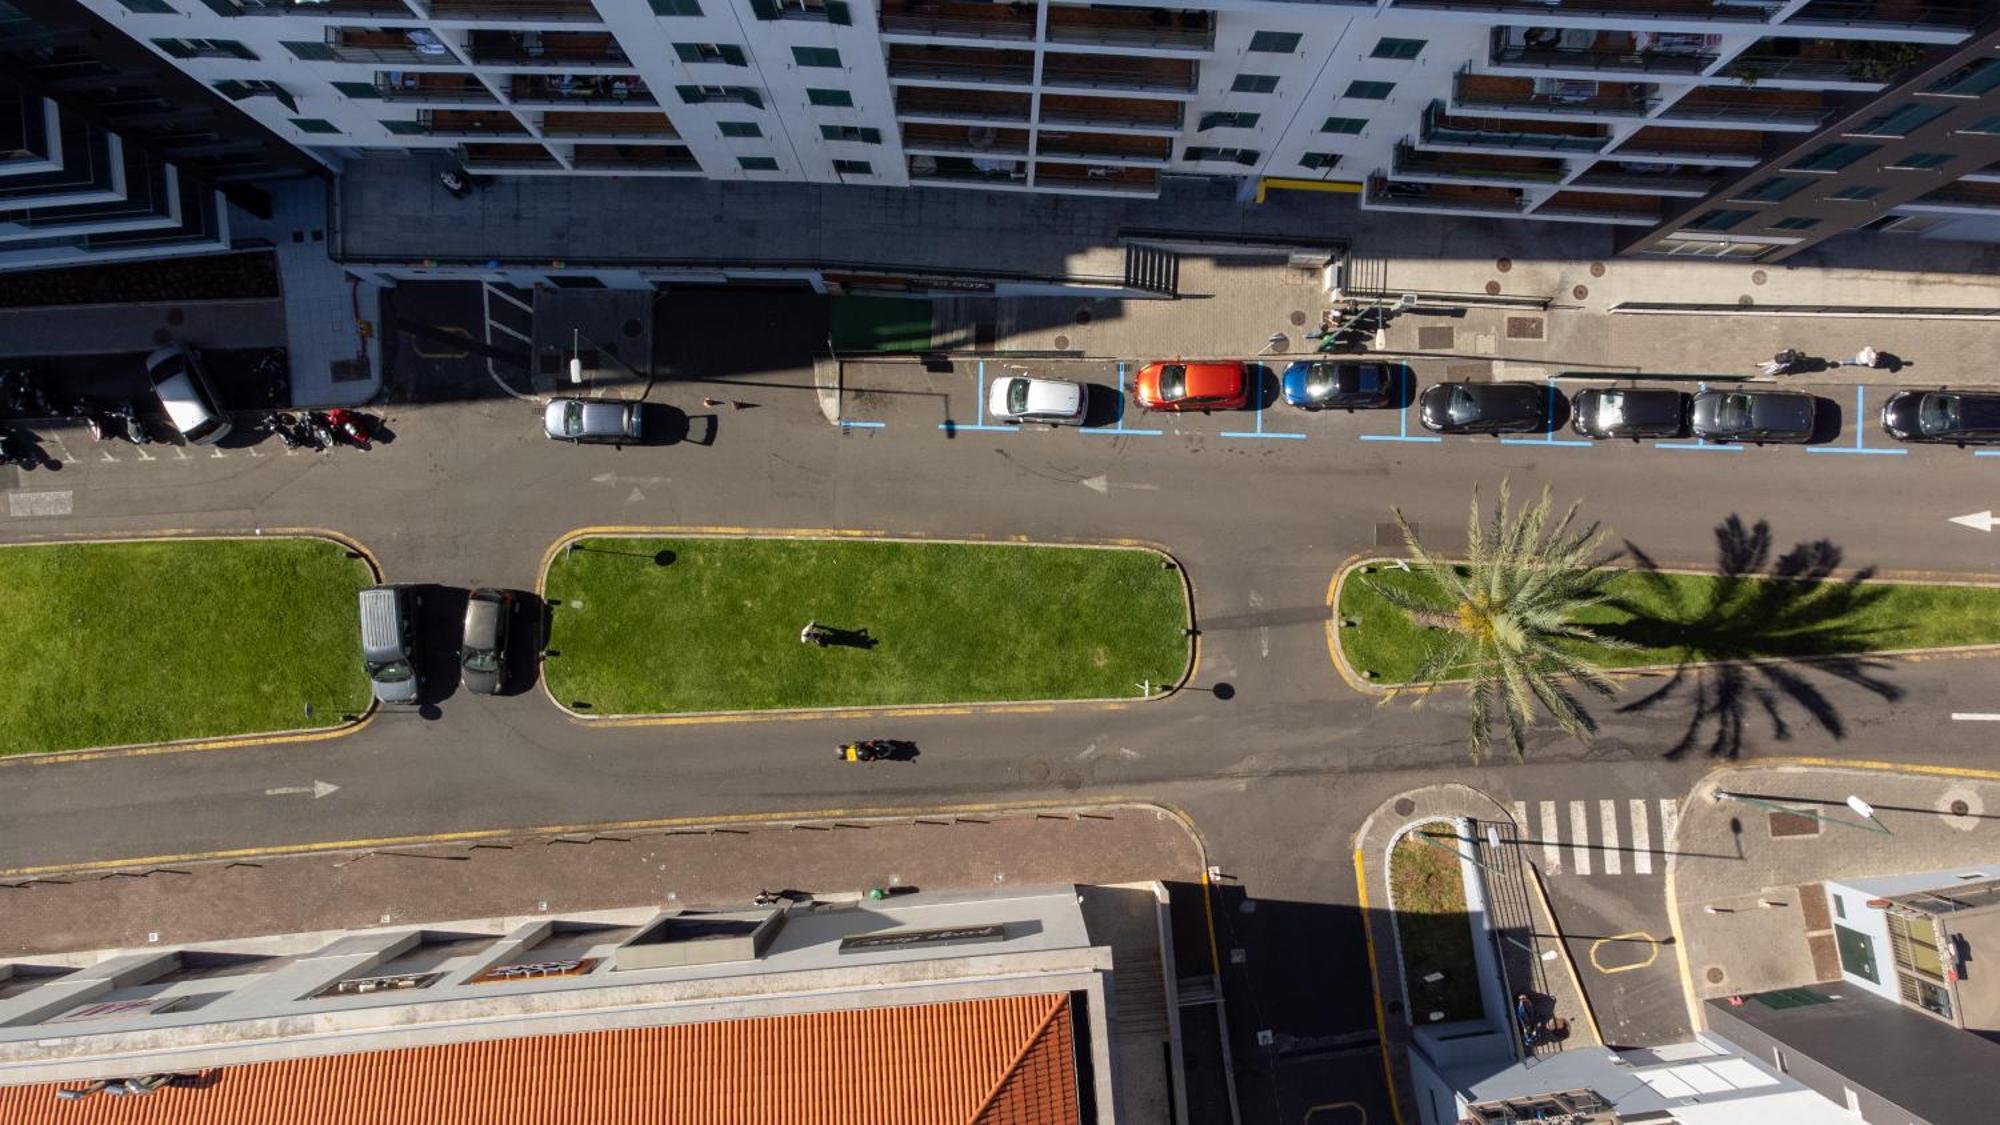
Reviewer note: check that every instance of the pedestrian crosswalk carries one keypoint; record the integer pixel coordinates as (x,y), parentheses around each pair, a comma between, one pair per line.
(1631,836)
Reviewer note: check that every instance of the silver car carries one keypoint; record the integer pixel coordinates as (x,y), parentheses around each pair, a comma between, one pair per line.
(594,420)
(1019,398)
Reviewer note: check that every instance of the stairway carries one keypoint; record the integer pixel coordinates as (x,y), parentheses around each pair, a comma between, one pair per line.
(1152,270)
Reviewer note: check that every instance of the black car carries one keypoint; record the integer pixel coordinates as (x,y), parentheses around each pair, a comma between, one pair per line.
(1754,416)
(1943,415)
(1630,412)
(1484,408)
(1323,385)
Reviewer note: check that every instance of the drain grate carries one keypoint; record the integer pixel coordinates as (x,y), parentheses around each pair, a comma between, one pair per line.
(1524,328)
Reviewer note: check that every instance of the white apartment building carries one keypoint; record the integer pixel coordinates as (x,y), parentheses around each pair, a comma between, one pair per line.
(1601,111)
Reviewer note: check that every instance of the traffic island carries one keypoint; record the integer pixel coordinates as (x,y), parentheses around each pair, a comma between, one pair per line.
(642,625)
(146,642)
(1433,930)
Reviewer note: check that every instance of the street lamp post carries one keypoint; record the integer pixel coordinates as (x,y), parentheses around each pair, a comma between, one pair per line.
(1861,808)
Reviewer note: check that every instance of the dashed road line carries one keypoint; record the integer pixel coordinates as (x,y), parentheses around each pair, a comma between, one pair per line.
(1579,837)
(1642,839)
(1551,832)
(1607,821)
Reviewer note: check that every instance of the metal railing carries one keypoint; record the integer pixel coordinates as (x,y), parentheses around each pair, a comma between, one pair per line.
(1105,78)
(1753,112)
(1054,115)
(1588,58)
(1762,67)
(1610,105)
(1720,12)
(552,11)
(1408,160)
(473,94)
(946,70)
(1169,37)
(1642,182)
(1382,191)
(1057,149)
(1867,13)
(1435,131)
(963,113)
(948,27)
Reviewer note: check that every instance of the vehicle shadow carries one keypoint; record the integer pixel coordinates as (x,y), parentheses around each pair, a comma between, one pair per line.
(1102,405)
(1555,411)
(1758,608)
(524,644)
(1828,421)
(669,425)
(1264,387)
(439,626)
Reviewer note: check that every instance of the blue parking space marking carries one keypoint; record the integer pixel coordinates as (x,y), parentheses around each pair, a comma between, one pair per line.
(1402,431)
(980,425)
(1549,436)
(1698,444)
(1259,431)
(1986,453)
(855,424)
(1860,431)
(1119,430)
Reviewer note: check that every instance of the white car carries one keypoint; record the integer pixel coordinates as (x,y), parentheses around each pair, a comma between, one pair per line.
(1055,402)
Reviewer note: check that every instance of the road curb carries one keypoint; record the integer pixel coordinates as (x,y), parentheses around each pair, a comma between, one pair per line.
(352,546)
(1562,943)
(827,385)
(989,707)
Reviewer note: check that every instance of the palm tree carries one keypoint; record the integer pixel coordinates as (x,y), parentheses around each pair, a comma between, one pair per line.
(1506,611)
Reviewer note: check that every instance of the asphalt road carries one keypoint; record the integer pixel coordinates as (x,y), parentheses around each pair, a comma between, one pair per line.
(1277,769)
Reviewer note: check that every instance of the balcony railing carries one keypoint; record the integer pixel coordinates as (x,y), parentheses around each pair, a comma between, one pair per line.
(1498,169)
(1554,96)
(1112,113)
(952,70)
(1386,193)
(568,89)
(452,123)
(1777,68)
(418,86)
(956,21)
(961,105)
(1665,183)
(1699,146)
(1608,208)
(1665,10)
(634,158)
(1885,13)
(537,11)
(1104,147)
(415,45)
(1097,178)
(500,158)
(1132,27)
(1103,73)
(1442,129)
(975,140)
(1747,112)
(1504,52)
(553,48)
(996,172)
(558,124)
(394,9)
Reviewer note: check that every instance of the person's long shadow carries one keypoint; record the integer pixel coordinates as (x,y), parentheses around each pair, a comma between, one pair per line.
(1757,609)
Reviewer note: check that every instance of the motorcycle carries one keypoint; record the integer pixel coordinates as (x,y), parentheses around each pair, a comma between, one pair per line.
(349,427)
(17,450)
(282,427)
(86,409)
(135,427)
(319,430)
(877,750)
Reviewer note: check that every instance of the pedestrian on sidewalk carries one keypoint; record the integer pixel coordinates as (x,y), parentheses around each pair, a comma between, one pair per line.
(1867,357)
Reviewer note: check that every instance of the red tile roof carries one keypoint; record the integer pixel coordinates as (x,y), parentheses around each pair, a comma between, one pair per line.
(1002,1061)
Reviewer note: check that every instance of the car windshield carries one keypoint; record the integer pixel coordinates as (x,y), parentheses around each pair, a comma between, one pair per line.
(481,660)
(1735,412)
(1939,414)
(573,419)
(1464,407)
(1017,396)
(1173,381)
(1611,408)
(394,672)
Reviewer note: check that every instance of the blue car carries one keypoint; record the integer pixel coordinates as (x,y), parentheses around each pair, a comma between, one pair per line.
(1312,384)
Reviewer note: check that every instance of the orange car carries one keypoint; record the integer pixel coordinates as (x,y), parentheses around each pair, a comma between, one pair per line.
(1216,384)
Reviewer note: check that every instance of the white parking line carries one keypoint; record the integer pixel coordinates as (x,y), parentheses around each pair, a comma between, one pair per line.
(1551,832)
(1579,837)
(1976,716)
(1607,820)
(1642,838)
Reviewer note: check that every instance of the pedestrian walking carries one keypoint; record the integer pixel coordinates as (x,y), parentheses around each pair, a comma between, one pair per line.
(1867,357)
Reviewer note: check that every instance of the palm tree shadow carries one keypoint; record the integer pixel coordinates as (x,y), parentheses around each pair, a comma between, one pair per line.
(1727,633)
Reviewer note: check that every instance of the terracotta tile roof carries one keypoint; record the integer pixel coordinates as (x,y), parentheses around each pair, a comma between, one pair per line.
(1002,1061)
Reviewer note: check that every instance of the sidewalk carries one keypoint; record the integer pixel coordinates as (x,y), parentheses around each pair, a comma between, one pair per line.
(1743,881)
(332,362)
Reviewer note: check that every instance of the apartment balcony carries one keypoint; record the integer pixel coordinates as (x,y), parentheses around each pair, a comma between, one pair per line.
(571,123)
(950,20)
(1107,72)
(634,158)
(432,87)
(933,104)
(1645,178)
(1781,110)
(1663,11)
(1111,148)
(1584,51)
(1150,30)
(1624,210)
(1960,198)
(469,123)
(960,66)
(1479,134)
(388,45)
(1414,165)
(608,91)
(974,171)
(1731,148)
(1097,179)
(973,140)
(567,49)
(1134,114)
(507,158)
(1819,64)
(515,11)
(1385,194)
(1573,98)
(1916,16)
(338,9)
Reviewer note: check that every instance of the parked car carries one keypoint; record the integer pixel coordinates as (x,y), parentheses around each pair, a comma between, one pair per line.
(1021,398)
(592,420)
(1222,384)
(1323,384)
(1943,415)
(482,655)
(1758,417)
(1630,412)
(388,644)
(186,394)
(1484,408)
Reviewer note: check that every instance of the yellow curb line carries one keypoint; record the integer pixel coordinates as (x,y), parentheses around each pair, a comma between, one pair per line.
(1333,649)
(1688,996)
(1918,768)
(1375,983)
(1569,962)
(892,711)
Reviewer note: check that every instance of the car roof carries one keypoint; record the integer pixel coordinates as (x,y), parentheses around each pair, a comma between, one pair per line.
(482,619)
(1977,411)
(1643,405)
(1210,380)
(184,402)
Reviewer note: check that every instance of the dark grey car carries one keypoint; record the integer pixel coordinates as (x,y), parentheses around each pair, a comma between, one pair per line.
(1630,412)
(482,656)
(1757,417)
(1943,415)
(1484,408)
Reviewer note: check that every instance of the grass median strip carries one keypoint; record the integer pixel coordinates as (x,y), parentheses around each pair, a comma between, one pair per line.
(1695,618)
(655,626)
(118,643)
(1427,889)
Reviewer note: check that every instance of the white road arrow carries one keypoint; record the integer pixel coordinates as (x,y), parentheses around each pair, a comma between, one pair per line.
(619,478)
(318,789)
(1102,485)
(1977,521)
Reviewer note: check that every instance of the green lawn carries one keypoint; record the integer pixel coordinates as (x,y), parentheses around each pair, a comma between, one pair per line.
(118,643)
(717,628)
(1428,890)
(1700,618)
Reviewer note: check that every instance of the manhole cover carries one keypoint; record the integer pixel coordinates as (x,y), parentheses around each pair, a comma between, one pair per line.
(1758,277)
(1960,808)
(162,337)
(632,328)
(1580,292)
(1083,316)
(176,317)
(1784,824)
(1437,338)
(1297,318)
(1745,301)
(1387,535)
(1715,974)
(1504,264)
(1597,269)
(1525,327)
(1062,343)
(1492,289)
(1405,806)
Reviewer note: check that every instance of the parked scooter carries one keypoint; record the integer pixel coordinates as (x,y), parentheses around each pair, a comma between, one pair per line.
(350,427)
(18,450)
(136,431)
(281,426)
(320,430)
(86,408)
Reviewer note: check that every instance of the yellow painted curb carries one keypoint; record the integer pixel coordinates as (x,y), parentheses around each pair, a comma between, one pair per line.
(1375,983)
(1919,769)
(1562,944)
(1688,997)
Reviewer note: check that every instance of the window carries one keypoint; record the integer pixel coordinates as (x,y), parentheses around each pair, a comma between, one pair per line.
(149,7)
(257,88)
(831,97)
(1858,191)
(832,11)
(711,53)
(1923,160)
(314,52)
(739,128)
(1350,126)
(1226,121)
(1839,906)
(1397,49)
(1242,156)
(676,7)
(1774,189)
(1800,222)
(1254,84)
(854,133)
(1276,42)
(1319,160)
(1900,121)
(816,56)
(205,49)
(853,168)
(696,95)
(404,128)
(1370,91)
(314,125)
(1988,126)
(358,89)
(758,163)
(1832,158)
(1718,220)
(1969,81)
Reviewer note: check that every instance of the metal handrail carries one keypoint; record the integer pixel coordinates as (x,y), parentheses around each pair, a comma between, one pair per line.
(514,9)
(1627,105)
(476,95)
(1731,13)
(964,114)
(1408,159)
(1587,58)
(1777,66)
(1379,191)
